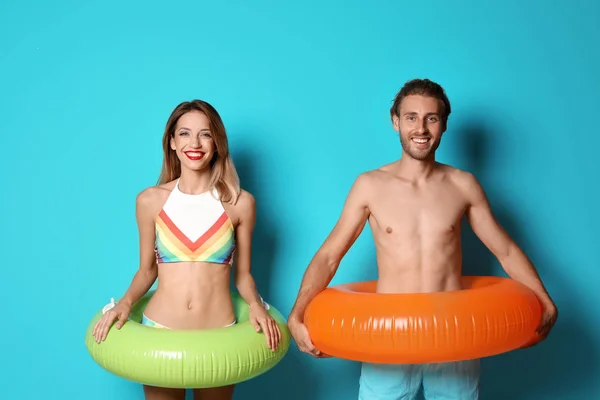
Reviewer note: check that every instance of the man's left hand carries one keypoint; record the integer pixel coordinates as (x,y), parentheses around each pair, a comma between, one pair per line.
(549,317)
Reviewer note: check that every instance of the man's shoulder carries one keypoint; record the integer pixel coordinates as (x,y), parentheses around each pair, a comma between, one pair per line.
(368,183)
(458,175)
(386,169)
(464,180)
(384,172)
(371,177)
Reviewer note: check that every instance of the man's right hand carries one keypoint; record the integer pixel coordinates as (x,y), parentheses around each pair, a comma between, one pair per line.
(302,338)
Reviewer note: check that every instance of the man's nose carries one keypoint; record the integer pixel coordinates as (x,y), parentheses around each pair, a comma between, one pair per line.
(422,128)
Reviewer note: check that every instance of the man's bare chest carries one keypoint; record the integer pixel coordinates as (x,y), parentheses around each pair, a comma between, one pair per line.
(418,212)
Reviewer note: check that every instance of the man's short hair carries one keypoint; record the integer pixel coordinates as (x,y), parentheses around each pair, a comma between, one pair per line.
(423,87)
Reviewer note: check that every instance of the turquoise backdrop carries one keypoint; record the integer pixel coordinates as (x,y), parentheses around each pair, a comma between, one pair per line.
(304,88)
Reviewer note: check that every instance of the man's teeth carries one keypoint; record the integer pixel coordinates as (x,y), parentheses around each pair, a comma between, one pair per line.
(421,140)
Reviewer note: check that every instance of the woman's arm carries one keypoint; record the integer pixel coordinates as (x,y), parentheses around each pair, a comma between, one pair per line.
(259,317)
(148,269)
(243,278)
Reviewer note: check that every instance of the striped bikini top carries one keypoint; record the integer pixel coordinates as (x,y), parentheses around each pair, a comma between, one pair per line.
(194,228)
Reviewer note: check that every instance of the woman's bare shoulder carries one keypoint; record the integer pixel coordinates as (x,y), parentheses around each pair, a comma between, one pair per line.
(246,200)
(244,207)
(153,198)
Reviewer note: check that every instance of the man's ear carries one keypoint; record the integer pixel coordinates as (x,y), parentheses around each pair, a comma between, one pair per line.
(396,123)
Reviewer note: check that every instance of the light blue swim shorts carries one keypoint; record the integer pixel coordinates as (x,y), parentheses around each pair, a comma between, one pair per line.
(441,381)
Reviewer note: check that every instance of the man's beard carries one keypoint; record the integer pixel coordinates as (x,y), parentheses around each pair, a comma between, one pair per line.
(417,154)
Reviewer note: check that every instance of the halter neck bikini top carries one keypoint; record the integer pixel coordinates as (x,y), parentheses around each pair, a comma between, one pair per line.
(194,228)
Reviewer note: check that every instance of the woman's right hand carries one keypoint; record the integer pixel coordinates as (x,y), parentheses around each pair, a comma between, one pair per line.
(120,312)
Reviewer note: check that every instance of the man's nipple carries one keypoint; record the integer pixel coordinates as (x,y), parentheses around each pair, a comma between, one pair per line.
(388,229)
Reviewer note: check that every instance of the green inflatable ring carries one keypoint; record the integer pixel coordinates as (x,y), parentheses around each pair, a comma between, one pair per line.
(187,358)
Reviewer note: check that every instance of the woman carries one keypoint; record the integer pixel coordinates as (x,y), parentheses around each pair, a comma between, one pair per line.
(190,226)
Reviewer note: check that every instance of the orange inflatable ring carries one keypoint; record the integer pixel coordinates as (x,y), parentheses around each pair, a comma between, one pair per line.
(489,316)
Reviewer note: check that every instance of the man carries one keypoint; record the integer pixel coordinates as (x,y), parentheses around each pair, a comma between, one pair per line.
(414,207)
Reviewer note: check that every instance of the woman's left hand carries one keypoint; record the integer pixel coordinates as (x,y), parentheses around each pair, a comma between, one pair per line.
(260,318)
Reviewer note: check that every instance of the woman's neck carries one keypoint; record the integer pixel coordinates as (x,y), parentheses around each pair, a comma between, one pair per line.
(194,182)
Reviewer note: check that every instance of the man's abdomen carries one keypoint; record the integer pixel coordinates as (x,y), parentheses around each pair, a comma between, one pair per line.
(420,266)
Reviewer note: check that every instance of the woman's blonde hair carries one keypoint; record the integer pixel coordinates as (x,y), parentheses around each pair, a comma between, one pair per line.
(224,177)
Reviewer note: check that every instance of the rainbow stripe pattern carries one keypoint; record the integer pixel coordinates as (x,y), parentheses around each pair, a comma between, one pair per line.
(216,245)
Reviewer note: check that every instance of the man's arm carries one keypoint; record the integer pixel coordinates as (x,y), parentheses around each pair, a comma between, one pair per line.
(325,262)
(513,260)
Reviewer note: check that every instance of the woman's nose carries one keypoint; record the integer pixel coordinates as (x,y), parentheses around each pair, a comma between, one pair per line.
(196,142)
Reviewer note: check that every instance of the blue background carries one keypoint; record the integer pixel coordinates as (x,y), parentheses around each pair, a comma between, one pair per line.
(304,89)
